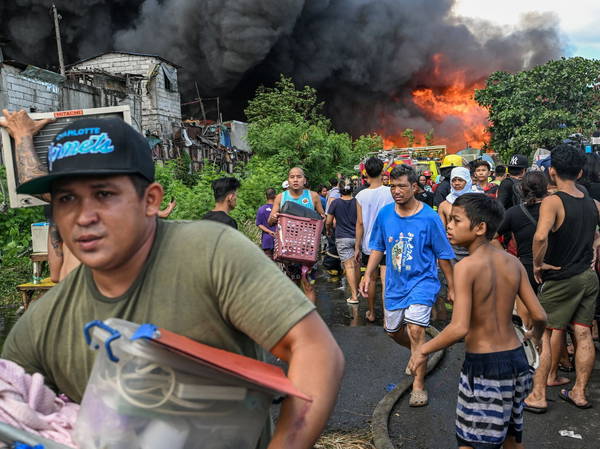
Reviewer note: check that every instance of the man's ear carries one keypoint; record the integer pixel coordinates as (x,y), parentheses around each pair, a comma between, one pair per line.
(153,198)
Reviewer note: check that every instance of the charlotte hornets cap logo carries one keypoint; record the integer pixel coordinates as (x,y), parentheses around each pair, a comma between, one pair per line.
(95,142)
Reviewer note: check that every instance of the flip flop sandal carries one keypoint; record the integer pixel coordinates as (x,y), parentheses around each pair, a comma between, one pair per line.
(352,301)
(533,409)
(565,395)
(418,398)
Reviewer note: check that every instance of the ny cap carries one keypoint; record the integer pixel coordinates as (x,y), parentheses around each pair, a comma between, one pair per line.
(518,161)
(94,146)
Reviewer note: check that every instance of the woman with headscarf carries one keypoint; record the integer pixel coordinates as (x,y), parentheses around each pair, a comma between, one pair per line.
(460,183)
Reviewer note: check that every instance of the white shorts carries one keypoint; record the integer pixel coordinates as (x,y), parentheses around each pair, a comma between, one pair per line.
(418,314)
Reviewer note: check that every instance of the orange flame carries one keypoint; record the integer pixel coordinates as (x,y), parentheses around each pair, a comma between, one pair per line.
(459,121)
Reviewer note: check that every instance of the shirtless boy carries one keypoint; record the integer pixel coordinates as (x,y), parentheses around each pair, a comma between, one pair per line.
(495,377)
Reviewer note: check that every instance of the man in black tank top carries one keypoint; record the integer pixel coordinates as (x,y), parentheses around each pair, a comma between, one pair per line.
(562,259)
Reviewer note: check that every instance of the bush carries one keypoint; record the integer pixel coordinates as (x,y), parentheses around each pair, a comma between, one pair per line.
(15,243)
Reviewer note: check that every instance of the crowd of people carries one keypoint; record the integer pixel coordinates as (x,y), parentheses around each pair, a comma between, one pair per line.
(546,215)
(505,241)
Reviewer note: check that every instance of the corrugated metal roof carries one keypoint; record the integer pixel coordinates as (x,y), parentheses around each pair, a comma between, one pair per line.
(146,55)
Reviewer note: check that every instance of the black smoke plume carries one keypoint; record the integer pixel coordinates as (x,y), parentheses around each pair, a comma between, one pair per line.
(364,57)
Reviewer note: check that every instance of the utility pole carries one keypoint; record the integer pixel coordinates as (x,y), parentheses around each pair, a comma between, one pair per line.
(61,61)
(201,103)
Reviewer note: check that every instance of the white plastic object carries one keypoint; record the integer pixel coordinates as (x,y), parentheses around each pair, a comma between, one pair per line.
(161,434)
(39,237)
(533,357)
(151,389)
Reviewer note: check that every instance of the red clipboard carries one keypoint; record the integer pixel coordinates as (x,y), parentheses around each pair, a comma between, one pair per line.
(262,374)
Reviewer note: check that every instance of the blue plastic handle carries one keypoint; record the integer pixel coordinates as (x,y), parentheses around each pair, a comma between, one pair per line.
(114,334)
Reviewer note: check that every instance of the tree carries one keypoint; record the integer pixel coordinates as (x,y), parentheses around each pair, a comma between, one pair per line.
(429,138)
(410,136)
(285,103)
(538,108)
(287,129)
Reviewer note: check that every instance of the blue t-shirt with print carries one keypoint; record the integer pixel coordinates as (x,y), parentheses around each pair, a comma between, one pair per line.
(412,245)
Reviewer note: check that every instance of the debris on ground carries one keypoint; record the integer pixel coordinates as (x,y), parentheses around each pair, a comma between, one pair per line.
(570,434)
(361,439)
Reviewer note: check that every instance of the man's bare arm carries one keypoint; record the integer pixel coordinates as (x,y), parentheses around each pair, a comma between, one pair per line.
(448,270)
(316,365)
(374,260)
(443,210)
(359,232)
(329,224)
(266,230)
(275,211)
(55,253)
(317,203)
(167,211)
(22,129)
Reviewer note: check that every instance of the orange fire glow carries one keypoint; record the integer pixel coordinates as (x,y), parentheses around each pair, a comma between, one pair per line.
(460,121)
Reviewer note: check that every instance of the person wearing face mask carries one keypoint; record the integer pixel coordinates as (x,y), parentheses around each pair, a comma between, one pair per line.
(460,183)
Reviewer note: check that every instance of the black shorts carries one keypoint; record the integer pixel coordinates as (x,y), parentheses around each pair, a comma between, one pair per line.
(365,260)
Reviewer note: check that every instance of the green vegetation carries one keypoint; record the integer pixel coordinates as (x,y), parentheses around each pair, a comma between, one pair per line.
(538,108)
(287,128)
(409,134)
(15,241)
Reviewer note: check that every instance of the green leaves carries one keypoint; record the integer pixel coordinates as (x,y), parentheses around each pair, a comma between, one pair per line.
(15,241)
(287,128)
(540,107)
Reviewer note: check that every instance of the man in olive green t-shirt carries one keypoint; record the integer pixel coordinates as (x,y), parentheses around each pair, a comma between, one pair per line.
(200,279)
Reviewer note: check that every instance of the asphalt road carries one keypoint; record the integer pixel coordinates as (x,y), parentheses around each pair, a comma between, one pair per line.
(374,361)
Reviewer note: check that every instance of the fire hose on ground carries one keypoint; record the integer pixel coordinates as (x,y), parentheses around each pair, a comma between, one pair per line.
(381,414)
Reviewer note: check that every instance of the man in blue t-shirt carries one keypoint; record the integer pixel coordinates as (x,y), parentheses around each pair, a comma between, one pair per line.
(413,239)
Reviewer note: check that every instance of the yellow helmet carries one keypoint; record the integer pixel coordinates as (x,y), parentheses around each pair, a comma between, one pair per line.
(452,160)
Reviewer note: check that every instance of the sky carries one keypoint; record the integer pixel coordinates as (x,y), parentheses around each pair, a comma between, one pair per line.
(579,19)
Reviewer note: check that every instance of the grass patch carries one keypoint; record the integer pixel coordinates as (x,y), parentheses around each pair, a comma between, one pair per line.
(360,439)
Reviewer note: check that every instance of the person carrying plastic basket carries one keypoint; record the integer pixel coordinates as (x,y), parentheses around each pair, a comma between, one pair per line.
(297,193)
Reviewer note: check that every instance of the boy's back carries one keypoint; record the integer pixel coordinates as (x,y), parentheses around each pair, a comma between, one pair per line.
(495,277)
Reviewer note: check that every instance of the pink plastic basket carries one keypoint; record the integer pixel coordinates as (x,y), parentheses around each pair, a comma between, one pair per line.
(297,239)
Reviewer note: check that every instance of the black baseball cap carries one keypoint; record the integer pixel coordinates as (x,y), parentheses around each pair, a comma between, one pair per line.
(518,161)
(94,146)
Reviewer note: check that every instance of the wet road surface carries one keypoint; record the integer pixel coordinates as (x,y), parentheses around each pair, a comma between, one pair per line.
(374,361)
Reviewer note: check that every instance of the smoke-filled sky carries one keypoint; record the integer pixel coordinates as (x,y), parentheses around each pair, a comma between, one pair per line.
(364,56)
(578,19)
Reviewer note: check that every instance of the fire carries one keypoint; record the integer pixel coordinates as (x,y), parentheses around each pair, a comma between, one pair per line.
(457,119)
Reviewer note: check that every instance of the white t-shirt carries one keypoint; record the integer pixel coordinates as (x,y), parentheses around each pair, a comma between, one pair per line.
(371,201)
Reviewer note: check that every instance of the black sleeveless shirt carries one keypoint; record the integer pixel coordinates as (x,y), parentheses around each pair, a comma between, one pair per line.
(570,247)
